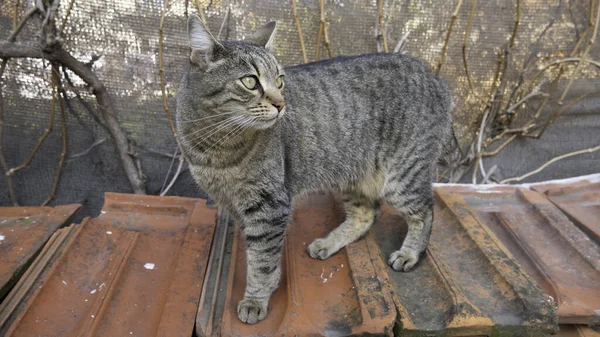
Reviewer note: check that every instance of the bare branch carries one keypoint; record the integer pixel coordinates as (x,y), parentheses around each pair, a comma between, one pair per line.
(3,163)
(66,17)
(41,140)
(499,148)
(535,92)
(63,119)
(558,114)
(553,160)
(17,30)
(105,104)
(174,179)
(584,55)
(225,20)
(401,42)
(297,22)
(513,37)
(323,32)
(448,33)
(464,50)
(86,151)
(160,69)
(382,34)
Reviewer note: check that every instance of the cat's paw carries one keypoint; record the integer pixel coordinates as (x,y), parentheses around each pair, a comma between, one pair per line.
(321,249)
(403,259)
(251,311)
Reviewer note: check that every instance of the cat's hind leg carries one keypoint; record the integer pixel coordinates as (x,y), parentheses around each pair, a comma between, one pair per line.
(414,199)
(362,207)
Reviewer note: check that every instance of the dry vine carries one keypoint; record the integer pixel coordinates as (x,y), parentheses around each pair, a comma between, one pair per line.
(323,32)
(297,23)
(448,33)
(50,49)
(380,34)
(553,160)
(496,122)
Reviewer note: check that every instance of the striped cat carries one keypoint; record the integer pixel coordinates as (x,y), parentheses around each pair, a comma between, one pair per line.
(257,136)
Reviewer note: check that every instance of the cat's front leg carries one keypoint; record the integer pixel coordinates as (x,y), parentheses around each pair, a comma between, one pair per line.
(264,227)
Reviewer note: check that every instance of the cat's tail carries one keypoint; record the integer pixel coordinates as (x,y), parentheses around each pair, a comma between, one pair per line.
(452,155)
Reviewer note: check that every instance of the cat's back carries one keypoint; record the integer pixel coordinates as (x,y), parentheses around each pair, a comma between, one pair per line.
(359,83)
(366,66)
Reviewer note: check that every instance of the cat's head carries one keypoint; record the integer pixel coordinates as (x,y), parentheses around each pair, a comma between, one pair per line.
(242,78)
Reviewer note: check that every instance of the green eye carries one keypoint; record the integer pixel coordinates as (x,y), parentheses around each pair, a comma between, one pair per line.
(279,82)
(250,82)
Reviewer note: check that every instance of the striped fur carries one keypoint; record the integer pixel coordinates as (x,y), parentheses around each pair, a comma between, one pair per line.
(370,126)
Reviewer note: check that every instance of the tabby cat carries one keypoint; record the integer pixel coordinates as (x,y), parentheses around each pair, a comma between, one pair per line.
(257,136)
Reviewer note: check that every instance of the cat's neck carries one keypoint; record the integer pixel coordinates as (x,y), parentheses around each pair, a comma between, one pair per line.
(225,146)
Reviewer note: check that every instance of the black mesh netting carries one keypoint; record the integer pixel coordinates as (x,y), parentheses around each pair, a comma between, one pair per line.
(121,38)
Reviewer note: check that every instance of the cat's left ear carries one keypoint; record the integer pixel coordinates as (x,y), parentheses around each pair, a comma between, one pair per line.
(201,41)
(265,36)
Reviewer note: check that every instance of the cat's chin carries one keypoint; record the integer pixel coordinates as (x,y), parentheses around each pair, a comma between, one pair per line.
(262,125)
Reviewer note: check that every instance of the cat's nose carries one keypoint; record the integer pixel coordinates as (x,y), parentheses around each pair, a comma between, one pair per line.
(279,104)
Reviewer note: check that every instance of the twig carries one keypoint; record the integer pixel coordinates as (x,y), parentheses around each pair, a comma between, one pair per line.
(17,27)
(513,36)
(174,179)
(85,104)
(499,148)
(323,33)
(452,20)
(5,168)
(555,159)
(161,72)
(584,55)
(66,17)
(225,19)
(478,149)
(564,60)
(382,34)
(17,30)
(489,174)
(400,43)
(162,188)
(63,119)
(509,131)
(297,22)
(200,12)
(529,96)
(558,114)
(15,15)
(86,151)
(464,50)
(41,140)
(105,103)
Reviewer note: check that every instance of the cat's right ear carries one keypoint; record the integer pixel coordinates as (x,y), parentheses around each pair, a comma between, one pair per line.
(201,41)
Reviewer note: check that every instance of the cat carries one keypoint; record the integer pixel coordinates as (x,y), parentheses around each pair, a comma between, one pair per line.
(257,136)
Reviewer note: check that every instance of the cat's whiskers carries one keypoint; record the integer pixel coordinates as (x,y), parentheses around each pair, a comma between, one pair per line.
(229,120)
(202,138)
(235,132)
(209,117)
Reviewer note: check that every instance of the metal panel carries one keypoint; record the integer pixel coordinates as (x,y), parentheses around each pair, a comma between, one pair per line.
(23,232)
(466,284)
(559,256)
(580,199)
(135,270)
(348,294)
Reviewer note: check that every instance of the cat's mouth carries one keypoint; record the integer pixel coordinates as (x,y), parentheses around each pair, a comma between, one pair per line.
(265,122)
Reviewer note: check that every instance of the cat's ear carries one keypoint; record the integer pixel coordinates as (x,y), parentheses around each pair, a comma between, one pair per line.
(201,41)
(265,36)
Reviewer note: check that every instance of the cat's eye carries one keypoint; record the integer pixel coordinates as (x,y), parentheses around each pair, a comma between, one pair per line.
(250,82)
(279,82)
